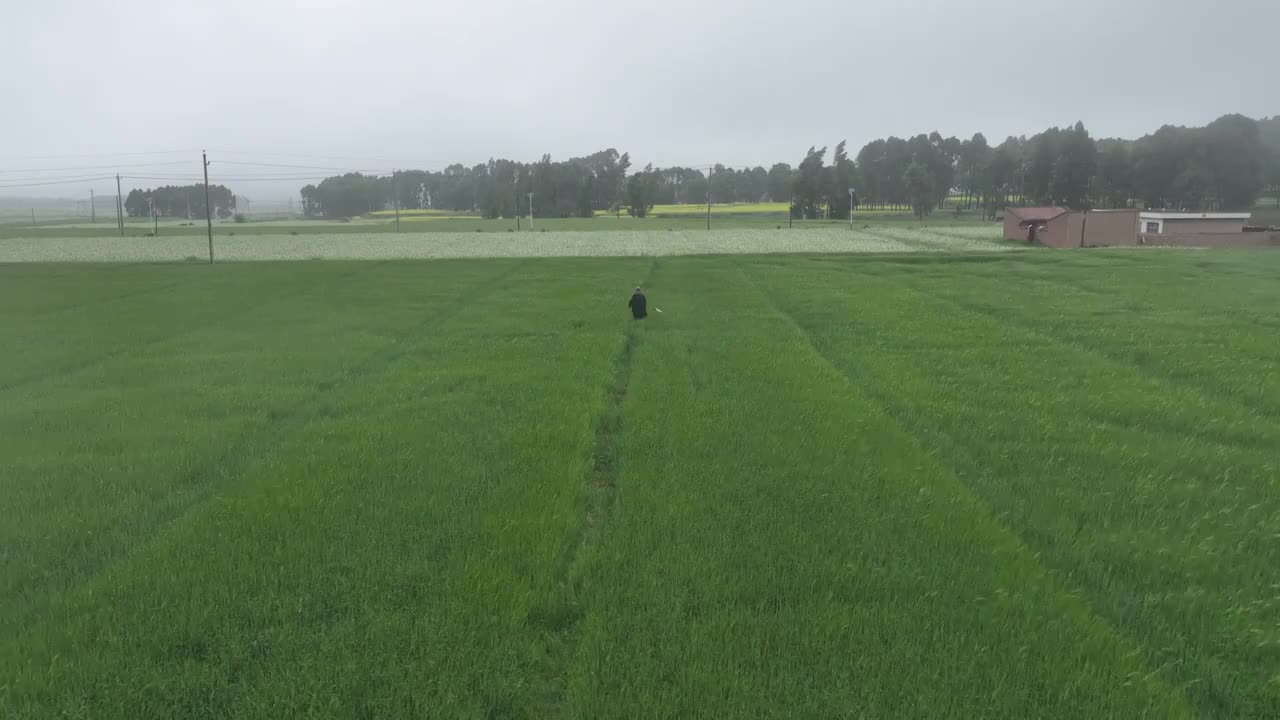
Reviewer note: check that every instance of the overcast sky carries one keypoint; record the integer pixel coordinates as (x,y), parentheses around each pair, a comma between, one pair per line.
(426,83)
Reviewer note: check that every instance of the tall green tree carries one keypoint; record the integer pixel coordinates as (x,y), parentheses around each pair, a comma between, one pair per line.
(642,191)
(839,180)
(586,197)
(608,169)
(348,195)
(779,183)
(1113,185)
(1074,168)
(1236,160)
(810,184)
(920,187)
(1038,166)
(411,188)
(681,185)
(972,159)
(1157,161)
(724,184)
(1220,166)
(879,172)
(1002,181)
(942,165)
(1269,132)
(754,185)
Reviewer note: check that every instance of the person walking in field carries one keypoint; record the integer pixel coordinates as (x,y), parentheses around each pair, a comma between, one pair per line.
(639,305)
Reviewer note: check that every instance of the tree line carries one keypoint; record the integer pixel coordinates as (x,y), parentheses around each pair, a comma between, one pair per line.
(1225,165)
(179,201)
(498,188)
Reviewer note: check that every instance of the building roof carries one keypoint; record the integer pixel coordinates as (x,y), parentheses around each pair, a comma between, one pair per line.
(1161,215)
(1037,214)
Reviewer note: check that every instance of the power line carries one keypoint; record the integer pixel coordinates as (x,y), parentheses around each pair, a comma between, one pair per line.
(303,155)
(401,161)
(58,182)
(197,177)
(397,162)
(46,178)
(259,178)
(98,167)
(88,155)
(299,167)
(246,178)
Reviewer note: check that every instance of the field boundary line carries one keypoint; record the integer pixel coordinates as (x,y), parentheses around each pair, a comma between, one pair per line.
(255,442)
(946,460)
(561,622)
(220,319)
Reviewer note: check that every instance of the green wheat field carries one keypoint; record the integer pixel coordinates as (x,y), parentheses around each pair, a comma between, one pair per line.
(947,485)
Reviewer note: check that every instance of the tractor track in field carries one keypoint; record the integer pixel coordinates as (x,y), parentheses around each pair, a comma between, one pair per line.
(200,482)
(561,619)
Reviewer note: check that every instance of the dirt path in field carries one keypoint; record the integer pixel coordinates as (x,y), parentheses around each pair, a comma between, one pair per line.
(562,622)
(602,482)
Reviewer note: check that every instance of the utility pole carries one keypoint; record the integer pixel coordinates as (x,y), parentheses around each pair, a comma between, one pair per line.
(850,208)
(33,217)
(119,207)
(791,212)
(208,210)
(93,217)
(395,190)
(710,169)
(530,211)
(516,196)
(188,194)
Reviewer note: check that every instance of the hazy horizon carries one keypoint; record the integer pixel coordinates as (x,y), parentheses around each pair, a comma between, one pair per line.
(404,85)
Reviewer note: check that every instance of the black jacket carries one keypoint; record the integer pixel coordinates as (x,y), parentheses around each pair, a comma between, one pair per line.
(639,306)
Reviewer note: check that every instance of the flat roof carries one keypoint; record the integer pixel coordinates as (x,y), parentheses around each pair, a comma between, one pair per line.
(1160,215)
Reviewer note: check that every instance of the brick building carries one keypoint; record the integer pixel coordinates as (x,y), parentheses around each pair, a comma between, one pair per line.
(1062,228)
(1048,224)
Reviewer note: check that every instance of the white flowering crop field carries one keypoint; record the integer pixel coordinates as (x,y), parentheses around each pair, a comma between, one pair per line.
(384,246)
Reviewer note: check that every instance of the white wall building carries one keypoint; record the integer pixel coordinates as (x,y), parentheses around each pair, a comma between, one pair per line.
(1159,222)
